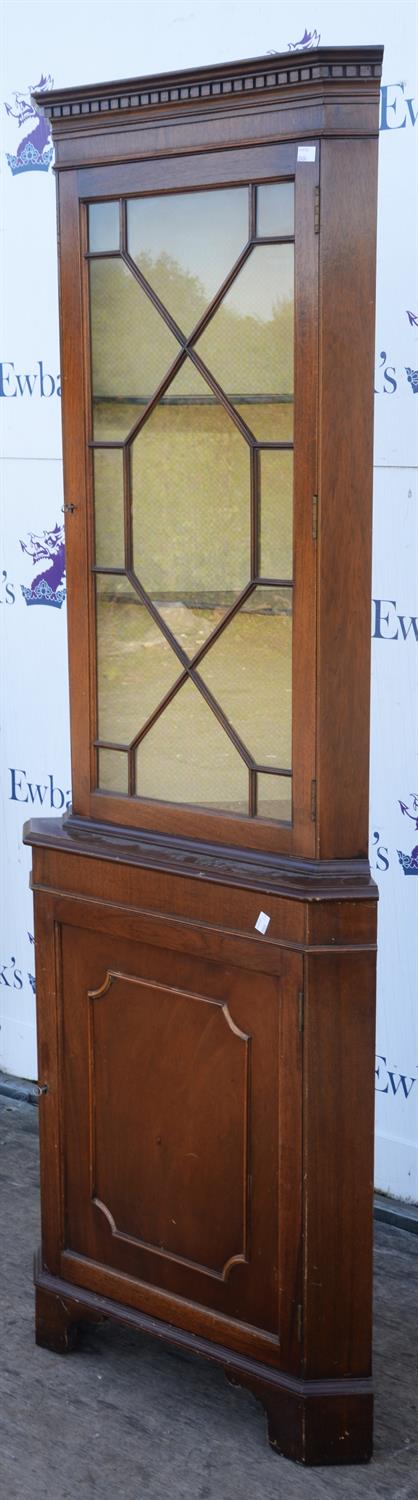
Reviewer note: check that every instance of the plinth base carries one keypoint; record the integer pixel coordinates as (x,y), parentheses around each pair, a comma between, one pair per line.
(310,1421)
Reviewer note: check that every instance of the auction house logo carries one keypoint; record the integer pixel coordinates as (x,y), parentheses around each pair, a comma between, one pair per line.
(34,151)
(409,862)
(308,41)
(47,794)
(47,586)
(14,977)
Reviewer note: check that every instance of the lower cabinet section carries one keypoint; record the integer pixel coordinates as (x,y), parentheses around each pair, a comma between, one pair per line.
(195,1138)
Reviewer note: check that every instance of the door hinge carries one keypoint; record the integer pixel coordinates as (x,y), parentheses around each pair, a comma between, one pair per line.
(300,1010)
(314,517)
(299,1322)
(316,210)
(313,801)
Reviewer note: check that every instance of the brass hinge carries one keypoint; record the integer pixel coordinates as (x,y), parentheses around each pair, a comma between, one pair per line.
(316,210)
(299,1322)
(314,517)
(313,801)
(300,1009)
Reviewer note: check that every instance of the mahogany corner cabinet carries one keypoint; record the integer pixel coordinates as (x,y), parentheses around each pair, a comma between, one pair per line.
(205,915)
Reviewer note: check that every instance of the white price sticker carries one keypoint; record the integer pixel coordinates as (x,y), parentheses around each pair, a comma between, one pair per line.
(262,922)
(306,153)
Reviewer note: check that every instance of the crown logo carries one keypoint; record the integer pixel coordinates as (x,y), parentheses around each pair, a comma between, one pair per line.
(34,152)
(409,862)
(47,587)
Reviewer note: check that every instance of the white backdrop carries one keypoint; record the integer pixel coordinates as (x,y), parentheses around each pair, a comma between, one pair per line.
(68,43)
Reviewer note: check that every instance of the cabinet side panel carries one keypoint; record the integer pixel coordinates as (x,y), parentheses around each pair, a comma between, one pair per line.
(305,485)
(74,419)
(48,986)
(347,297)
(338,1163)
(289,1168)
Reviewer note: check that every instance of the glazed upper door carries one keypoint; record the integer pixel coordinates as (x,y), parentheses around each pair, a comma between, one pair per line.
(200,408)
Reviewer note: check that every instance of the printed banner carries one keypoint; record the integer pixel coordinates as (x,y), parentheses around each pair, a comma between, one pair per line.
(43,47)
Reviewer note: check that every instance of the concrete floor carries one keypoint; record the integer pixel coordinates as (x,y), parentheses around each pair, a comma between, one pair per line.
(124,1419)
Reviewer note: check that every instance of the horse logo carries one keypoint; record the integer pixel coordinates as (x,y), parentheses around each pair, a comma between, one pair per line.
(308,41)
(35,151)
(47,586)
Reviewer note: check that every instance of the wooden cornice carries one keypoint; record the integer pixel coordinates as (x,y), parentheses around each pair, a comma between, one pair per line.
(282,75)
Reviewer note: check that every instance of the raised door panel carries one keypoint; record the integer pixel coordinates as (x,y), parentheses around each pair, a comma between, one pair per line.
(169,1075)
(177,1123)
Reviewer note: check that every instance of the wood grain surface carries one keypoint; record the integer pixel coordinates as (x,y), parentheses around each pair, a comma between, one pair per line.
(206,1131)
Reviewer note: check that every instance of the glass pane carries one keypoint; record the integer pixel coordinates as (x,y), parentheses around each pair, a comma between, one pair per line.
(113,419)
(248,345)
(108,508)
(187,757)
(270,422)
(191,509)
(249,672)
(113,771)
(276,515)
(276,208)
(274,797)
(185,244)
(135,664)
(104,226)
(131,345)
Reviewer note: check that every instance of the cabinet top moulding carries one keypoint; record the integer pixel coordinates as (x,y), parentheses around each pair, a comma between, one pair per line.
(335,88)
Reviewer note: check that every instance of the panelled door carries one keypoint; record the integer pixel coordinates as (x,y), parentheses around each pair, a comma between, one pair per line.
(181,1103)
